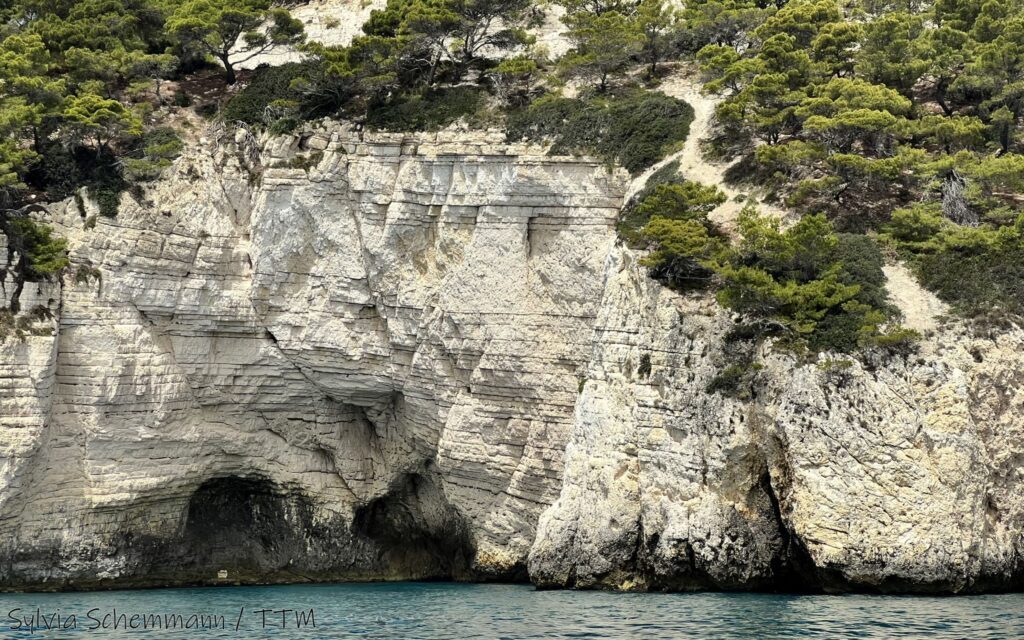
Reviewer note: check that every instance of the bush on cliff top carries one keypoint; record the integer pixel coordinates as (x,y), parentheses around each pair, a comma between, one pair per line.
(978,270)
(813,287)
(269,85)
(634,130)
(427,110)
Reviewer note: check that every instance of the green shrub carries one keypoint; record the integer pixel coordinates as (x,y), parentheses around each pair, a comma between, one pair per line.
(107,197)
(306,162)
(826,290)
(85,274)
(268,85)
(62,171)
(816,289)
(427,111)
(158,148)
(684,253)
(975,281)
(675,222)
(745,332)
(977,270)
(45,254)
(735,380)
(631,219)
(644,369)
(836,371)
(162,142)
(6,324)
(105,187)
(861,263)
(284,125)
(634,130)
(667,174)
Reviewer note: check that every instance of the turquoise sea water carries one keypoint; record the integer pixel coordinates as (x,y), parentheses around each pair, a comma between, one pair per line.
(462,611)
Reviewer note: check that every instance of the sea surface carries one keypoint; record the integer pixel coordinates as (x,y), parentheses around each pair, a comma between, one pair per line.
(461,611)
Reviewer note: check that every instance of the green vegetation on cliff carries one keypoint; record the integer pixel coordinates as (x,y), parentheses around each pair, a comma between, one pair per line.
(84,109)
(897,118)
(898,121)
(634,129)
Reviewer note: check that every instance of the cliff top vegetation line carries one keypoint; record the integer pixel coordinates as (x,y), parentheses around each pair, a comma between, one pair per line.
(898,122)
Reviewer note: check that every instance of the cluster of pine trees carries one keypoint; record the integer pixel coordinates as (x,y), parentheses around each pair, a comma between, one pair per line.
(79,83)
(890,126)
(894,121)
(416,50)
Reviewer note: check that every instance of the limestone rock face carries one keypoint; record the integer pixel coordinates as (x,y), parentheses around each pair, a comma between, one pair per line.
(893,474)
(339,355)
(665,485)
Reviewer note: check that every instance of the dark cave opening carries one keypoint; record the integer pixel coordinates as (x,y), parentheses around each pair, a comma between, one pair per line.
(793,569)
(419,535)
(246,525)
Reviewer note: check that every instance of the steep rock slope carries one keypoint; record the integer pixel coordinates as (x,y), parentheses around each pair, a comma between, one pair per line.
(365,367)
(894,475)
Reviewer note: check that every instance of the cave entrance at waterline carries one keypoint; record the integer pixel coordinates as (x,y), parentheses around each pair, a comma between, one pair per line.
(249,529)
(246,527)
(416,532)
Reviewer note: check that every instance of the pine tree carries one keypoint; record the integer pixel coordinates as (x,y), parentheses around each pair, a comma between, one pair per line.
(233,31)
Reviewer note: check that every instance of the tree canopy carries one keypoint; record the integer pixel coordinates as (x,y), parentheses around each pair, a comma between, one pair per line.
(232,31)
(867,117)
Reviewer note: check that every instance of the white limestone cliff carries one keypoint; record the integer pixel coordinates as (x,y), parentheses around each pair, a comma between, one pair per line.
(340,355)
(384,331)
(897,474)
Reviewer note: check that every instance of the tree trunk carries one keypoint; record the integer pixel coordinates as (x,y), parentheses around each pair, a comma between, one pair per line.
(229,71)
(940,97)
(19,284)
(433,69)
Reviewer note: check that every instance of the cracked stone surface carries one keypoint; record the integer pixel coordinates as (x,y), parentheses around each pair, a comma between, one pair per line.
(339,355)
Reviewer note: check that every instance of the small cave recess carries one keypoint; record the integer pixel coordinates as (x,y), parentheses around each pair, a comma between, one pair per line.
(417,533)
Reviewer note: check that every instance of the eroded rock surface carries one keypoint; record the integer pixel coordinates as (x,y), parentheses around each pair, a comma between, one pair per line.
(894,474)
(378,339)
(348,356)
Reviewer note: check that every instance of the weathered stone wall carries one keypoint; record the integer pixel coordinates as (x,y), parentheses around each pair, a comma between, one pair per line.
(347,356)
(397,328)
(897,474)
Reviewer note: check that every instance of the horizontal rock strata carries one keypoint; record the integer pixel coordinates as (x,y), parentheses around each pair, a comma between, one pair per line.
(374,339)
(343,355)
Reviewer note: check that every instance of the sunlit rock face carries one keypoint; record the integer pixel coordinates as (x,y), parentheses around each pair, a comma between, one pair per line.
(370,345)
(884,474)
(339,355)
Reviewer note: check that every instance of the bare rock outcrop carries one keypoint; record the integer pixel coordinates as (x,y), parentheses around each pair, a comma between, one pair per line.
(339,355)
(346,356)
(891,474)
